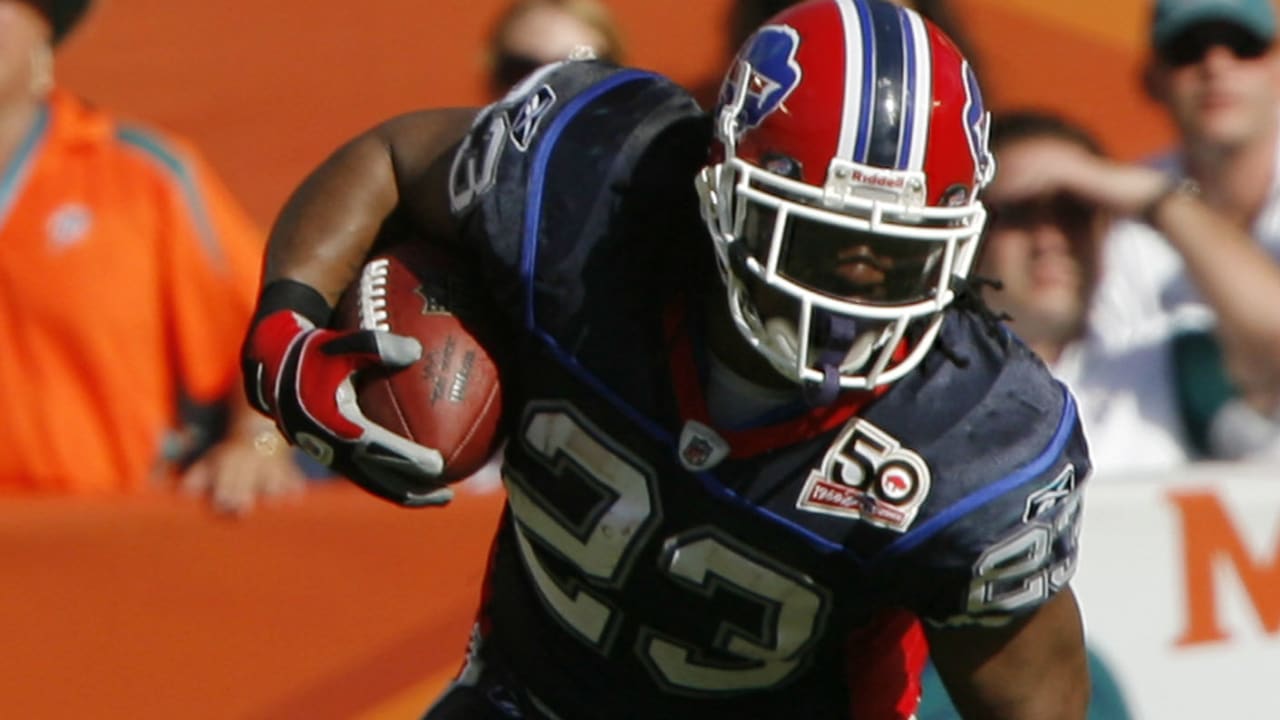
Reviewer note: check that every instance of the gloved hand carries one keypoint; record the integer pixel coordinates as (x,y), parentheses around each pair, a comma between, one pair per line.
(301,376)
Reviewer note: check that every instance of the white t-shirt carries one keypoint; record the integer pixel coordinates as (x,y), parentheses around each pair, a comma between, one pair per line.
(1144,281)
(1126,401)
(1145,291)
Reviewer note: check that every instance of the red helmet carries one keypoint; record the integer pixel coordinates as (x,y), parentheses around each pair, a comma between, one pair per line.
(852,143)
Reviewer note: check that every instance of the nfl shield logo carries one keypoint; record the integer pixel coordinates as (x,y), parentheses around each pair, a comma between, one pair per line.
(701,448)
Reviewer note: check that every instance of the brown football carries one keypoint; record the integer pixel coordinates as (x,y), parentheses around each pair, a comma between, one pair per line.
(450,399)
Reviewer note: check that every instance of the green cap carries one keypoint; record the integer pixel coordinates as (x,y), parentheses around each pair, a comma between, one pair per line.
(1173,17)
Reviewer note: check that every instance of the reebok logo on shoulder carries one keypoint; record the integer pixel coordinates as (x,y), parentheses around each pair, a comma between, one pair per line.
(525,119)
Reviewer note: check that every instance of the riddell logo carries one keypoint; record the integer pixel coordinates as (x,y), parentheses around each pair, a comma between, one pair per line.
(883,180)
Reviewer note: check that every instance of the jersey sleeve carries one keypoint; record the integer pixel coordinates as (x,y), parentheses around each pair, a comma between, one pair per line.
(542,183)
(1006,547)
(1001,463)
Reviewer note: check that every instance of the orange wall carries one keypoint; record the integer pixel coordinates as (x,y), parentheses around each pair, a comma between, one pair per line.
(333,607)
(269,88)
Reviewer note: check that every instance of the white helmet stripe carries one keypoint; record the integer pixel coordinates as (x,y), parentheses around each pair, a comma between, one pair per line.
(853,76)
(866,87)
(919,96)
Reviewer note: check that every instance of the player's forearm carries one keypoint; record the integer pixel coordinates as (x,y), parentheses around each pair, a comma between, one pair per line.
(1238,279)
(330,222)
(1032,669)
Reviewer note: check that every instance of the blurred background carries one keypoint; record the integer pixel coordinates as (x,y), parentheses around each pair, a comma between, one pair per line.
(268,90)
(340,606)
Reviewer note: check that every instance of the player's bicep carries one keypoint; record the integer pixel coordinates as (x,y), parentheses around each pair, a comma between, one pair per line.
(1032,668)
(422,147)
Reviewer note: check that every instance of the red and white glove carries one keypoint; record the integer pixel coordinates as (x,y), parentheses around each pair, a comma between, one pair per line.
(300,374)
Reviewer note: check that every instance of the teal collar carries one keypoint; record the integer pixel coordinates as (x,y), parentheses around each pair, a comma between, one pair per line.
(19,167)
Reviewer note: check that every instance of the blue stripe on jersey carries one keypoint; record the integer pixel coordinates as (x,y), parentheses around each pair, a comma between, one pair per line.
(909,95)
(538,177)
(868,76)
(886,125)
(1032,470)
(659,433)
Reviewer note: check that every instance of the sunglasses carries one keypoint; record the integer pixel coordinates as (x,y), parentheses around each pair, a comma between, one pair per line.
(511,68)
(1060,209)
(1191,46)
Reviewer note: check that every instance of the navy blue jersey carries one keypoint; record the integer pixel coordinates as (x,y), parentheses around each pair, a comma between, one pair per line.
(640,571)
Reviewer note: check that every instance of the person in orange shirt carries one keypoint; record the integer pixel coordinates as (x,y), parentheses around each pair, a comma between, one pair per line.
(128,277)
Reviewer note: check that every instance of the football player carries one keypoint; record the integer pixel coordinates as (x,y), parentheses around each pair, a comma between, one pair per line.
(757,424)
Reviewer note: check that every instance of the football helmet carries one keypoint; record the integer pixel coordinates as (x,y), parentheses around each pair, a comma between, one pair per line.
(842,194)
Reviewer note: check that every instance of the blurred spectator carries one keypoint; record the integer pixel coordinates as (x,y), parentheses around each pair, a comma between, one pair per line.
(1198,253)
(1043,244)
(747,15)
(129,275)
(532,33)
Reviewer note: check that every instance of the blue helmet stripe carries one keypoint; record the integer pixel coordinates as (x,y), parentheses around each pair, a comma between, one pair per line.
(868,77)
(908,98)
(887,79)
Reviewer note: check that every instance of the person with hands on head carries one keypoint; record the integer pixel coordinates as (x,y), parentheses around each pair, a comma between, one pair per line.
(1196,247)
(129,270)
(1044,243)
(758,421)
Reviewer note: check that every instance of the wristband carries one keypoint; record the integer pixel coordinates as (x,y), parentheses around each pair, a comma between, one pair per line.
(1175,186)
(285,294)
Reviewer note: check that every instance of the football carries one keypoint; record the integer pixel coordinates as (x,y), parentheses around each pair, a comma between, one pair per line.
(450,399)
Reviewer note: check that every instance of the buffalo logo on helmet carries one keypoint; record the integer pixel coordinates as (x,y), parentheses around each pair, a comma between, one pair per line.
(867,475)
(977,126)
(773,72)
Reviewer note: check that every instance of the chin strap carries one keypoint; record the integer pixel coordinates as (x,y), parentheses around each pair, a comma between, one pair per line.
(835,335)
(825,392)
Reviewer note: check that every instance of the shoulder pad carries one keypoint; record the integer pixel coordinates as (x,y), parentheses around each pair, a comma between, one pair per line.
(510,141)
(538,183)
(1002,444)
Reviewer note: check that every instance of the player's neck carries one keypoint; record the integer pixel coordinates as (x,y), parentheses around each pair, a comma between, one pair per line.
(736,402)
